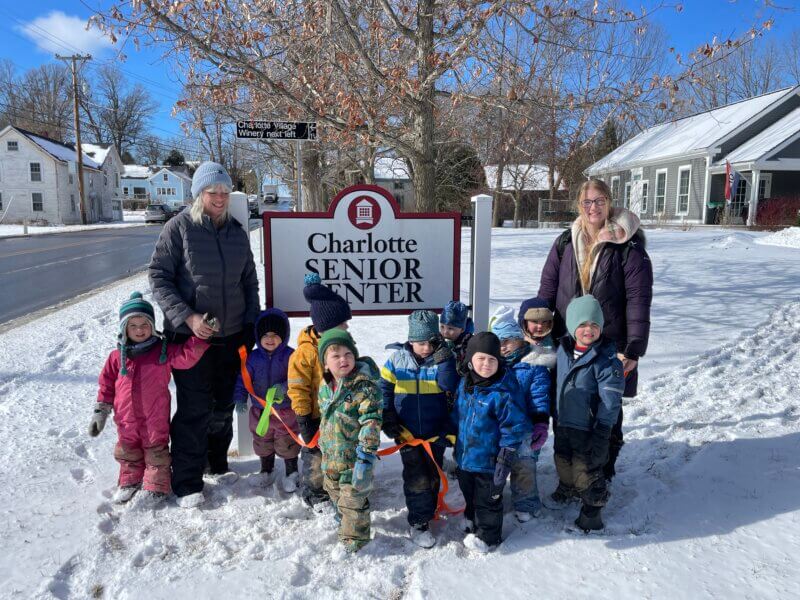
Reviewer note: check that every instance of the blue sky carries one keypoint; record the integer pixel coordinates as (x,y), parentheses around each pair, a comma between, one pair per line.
(31,33)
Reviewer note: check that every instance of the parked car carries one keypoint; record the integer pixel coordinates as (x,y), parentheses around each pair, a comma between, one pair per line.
(252,205)
(157,213)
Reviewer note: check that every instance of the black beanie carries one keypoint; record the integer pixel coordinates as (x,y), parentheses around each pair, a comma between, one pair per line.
(274,323)
(485,342)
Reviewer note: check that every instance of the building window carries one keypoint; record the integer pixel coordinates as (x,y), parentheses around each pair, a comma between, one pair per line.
(105,180)
(397,185)
(627,201)
(71,179)
(615,190)
(36,171)
(91,180)
(38,202)
(740,197)
(1,200)
(765,186)
(684,180)
(72,202)
(166,177)
(12,146)
(125,191)
(645,190)
(116,180)
(660,200)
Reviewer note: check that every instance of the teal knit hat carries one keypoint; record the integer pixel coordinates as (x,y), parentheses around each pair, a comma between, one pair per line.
(584,309)
(136,306)
(423,325)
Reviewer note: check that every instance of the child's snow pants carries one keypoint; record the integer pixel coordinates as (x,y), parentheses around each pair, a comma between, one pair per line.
(353,508)
(578,467)
(485,512)
(524,491)
(421,482)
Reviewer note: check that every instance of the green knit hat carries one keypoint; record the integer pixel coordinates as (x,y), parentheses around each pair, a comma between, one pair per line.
(423,325)
(583,309)
(338,337)
(135,306)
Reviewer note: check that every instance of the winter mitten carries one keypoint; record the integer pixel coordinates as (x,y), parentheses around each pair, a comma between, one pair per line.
(505,458)
(599,447)
(451,439)
(539,436)
(442,354)
(404,435)
(99,416)
(308,427)
(391,428)
(362,471)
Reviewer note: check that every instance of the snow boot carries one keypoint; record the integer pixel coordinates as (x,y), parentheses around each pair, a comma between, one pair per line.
(150,498)
(466,525)
(291,479)
(125,493)
(523,516)
(476,544)
(589,519)
(191,500)
(421,536)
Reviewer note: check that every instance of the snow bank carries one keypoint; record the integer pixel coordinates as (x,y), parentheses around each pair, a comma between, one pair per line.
(788,238)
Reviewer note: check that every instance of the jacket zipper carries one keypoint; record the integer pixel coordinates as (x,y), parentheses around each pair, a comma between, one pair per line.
(224,293)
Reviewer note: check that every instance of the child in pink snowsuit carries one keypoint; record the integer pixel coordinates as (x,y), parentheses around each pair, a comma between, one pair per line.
(134,383)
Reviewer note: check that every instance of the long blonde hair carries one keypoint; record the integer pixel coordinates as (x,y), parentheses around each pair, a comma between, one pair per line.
(602,187)
(196,211)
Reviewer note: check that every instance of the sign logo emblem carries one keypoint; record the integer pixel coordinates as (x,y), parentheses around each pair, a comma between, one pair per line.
(364,212)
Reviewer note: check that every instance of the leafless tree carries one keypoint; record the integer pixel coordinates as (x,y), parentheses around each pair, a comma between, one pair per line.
(40,100)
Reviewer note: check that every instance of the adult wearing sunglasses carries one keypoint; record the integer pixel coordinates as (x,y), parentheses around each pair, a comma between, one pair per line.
(603,254)
(203,277)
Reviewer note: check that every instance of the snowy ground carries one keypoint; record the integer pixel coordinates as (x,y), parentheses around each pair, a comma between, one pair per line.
(129,219)
(707,503)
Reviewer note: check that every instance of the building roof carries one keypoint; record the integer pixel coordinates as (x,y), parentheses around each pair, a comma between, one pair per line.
(692,135)
(58,150)
(389,167)
(97,152)
(136,172)
(522,177)
(180,174)
(762,145)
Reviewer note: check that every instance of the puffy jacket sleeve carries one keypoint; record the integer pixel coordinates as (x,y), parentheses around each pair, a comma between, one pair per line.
(539,395)
(610,386)
(447,375)
(302,365)
(186,355)
(511,417)
(387,383)
(548,283)
(108,377)
(370,409)
(163,273)
(639,297)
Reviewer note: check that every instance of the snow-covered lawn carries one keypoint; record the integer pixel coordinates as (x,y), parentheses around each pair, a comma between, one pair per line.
(129,219)
(707,502)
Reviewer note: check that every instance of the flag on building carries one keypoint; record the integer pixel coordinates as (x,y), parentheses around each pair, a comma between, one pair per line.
(732,178)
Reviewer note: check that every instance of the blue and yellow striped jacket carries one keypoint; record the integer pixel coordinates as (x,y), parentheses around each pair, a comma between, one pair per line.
(415,394)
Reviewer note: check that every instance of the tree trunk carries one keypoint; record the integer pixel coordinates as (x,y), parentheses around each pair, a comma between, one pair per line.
(424,160)
(517,216)
(498,193)
(312,179)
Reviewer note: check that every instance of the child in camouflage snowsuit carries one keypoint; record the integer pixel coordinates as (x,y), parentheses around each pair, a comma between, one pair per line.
(350,404)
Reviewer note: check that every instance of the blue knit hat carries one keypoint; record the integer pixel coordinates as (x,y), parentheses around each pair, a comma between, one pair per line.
(328,309)
(454,314)
(423,326)
(503,325)
(583,309)
(208,174)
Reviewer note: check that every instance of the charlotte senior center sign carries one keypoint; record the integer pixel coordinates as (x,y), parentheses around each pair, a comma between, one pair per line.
(380,260)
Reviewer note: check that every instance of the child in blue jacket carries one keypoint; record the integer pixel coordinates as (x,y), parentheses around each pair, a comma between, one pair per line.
(589,396)
(491,423)
(534,382)
(415,382)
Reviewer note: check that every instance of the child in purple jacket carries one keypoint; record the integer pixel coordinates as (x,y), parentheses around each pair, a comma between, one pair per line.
(268,366)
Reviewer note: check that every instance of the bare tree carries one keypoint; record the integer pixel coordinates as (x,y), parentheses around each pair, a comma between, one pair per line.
(150,150)
(40,100)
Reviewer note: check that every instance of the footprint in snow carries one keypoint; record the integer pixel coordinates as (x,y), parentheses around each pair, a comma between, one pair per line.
(81,475)
(81,451)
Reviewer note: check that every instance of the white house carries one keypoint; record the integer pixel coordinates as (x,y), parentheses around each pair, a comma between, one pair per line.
(38,180)
(675,171)
(393,174)
(170,187)
(110,188)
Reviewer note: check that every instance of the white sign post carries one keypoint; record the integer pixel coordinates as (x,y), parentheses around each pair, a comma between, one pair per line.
(481,260)
(380,260)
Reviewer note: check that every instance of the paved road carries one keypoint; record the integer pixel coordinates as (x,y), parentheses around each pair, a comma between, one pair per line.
(42,270)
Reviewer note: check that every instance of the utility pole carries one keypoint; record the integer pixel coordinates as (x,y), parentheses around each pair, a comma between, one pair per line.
(78,152)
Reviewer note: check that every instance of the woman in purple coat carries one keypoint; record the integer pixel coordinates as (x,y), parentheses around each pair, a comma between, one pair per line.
(603,254)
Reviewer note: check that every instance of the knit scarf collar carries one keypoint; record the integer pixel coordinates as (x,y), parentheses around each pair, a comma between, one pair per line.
(517,355)
(133,350)
(474,380)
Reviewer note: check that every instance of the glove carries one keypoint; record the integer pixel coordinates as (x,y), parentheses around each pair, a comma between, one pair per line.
(363,470)
(539,435)
(308,427)
(598,450)
(404,435)
(241,407)
(99,416)
(505,458)
(390,425)
(451,439)
(248,336)
(442,354)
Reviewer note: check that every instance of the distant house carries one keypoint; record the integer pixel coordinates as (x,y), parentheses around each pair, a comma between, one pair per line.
(136,184)
(393,174)
(172,187)
(39,180)
(675,172)
(529,183)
